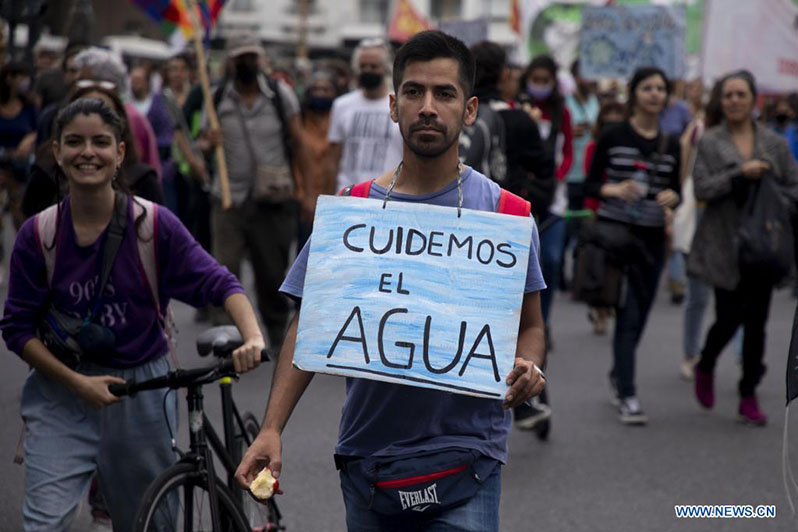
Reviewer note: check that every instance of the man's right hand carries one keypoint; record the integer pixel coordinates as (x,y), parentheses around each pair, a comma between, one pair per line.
(265,451)
(628,190)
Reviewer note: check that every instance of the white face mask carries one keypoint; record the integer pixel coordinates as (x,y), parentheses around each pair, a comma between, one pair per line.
(24,86)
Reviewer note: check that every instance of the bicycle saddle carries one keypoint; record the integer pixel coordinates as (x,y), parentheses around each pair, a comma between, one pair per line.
(221,341)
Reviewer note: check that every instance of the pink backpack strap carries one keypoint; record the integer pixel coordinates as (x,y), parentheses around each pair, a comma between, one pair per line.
(360,190)
(146,242)
(509,203)
(44,228)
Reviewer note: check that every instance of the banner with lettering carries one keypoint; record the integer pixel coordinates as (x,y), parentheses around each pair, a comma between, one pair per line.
(413,294)
(616,41)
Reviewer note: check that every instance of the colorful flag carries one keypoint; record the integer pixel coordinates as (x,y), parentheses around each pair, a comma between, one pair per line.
(406,22)
(174,14)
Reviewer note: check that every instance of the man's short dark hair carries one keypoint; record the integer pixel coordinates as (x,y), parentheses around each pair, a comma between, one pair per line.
(490,61)
(434,44)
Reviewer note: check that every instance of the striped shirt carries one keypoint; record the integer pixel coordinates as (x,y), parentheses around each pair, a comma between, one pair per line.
(621,154)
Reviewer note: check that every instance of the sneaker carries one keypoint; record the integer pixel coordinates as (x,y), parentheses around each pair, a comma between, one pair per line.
(631,413)
(750,413)
(704,388)
(687,368)
(530,414)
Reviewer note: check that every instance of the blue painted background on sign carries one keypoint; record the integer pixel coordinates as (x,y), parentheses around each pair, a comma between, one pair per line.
(449,289)
(615,41)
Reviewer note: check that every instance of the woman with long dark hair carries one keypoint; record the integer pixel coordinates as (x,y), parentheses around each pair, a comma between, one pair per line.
(47,183)
(732,157)
(641,166)
(74,424)
(540,89)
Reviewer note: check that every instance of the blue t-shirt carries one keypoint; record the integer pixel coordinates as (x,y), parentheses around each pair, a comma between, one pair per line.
(385,419)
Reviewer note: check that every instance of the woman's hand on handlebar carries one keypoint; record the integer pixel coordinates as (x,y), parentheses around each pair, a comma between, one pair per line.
(94,390)
(247,356)
(265,451)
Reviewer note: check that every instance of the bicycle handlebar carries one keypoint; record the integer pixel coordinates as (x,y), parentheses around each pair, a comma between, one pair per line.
(181,378)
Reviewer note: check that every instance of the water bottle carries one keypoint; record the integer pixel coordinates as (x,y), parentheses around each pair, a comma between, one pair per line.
(640,177)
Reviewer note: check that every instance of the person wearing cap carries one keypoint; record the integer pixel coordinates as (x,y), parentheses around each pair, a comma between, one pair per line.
(260,132)
(364,142)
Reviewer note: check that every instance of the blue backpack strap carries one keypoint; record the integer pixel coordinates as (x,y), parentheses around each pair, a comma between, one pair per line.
(510,203)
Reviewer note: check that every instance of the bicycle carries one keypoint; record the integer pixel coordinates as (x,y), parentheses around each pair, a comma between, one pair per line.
(190,496)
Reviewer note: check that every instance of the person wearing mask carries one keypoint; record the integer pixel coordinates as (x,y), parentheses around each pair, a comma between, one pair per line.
(261,135)
(635,175)
(529,166)
(319,96)
(18,119)
(364,142)
(610,115)
(554,122)
(731,158)
(96,64)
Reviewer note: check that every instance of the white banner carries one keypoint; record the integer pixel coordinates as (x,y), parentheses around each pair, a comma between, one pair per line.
(760,36)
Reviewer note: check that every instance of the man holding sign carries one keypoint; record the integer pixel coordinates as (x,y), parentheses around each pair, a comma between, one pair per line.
(425,454)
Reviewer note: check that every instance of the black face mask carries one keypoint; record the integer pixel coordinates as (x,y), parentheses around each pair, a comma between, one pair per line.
(316,103)
(782,118)
(246,73)
(370,80)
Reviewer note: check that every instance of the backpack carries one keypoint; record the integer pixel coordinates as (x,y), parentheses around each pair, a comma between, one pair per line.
(509,203)
(765,236)
(483,145)
(45,224)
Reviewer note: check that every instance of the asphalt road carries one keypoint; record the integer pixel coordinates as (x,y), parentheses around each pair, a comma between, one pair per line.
(593,474)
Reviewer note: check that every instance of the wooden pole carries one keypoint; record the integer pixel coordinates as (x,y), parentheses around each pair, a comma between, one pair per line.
(213,120)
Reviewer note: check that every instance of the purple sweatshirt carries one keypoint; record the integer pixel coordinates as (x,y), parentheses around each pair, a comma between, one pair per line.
(185,270)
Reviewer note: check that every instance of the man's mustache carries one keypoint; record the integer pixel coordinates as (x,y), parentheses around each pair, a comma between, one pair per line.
(427,124)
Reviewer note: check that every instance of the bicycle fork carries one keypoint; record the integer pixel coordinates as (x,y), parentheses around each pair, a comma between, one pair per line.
(200,446)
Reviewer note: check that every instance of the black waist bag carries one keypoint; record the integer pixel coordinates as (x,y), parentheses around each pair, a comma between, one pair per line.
(424,483)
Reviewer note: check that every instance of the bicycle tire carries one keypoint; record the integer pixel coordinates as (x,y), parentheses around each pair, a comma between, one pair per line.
(259,514)
(157,512)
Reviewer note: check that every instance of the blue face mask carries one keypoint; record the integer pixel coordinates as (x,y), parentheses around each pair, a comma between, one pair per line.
(539,92)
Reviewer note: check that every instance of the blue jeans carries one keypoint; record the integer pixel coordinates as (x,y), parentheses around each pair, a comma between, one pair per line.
(698,294)
(66,440)
(479,514)
(676,267)
(552,242)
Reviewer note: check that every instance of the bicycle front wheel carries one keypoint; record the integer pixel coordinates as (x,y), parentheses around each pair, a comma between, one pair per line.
(178,501)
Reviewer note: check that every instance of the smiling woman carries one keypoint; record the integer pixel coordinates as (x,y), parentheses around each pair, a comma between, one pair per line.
(78,264)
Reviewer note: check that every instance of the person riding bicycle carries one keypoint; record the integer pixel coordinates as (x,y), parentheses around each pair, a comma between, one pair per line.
(74,425)
(433,77)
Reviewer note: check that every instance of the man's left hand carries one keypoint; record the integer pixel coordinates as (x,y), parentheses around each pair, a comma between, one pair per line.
(525,381)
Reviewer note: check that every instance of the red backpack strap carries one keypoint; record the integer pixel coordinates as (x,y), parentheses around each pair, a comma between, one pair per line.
(509,203)
(360,190)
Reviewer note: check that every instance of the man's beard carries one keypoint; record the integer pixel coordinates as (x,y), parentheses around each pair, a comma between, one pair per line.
(432,149)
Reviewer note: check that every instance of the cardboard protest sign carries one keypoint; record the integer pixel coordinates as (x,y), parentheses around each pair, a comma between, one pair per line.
(615,41)
(412,294)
